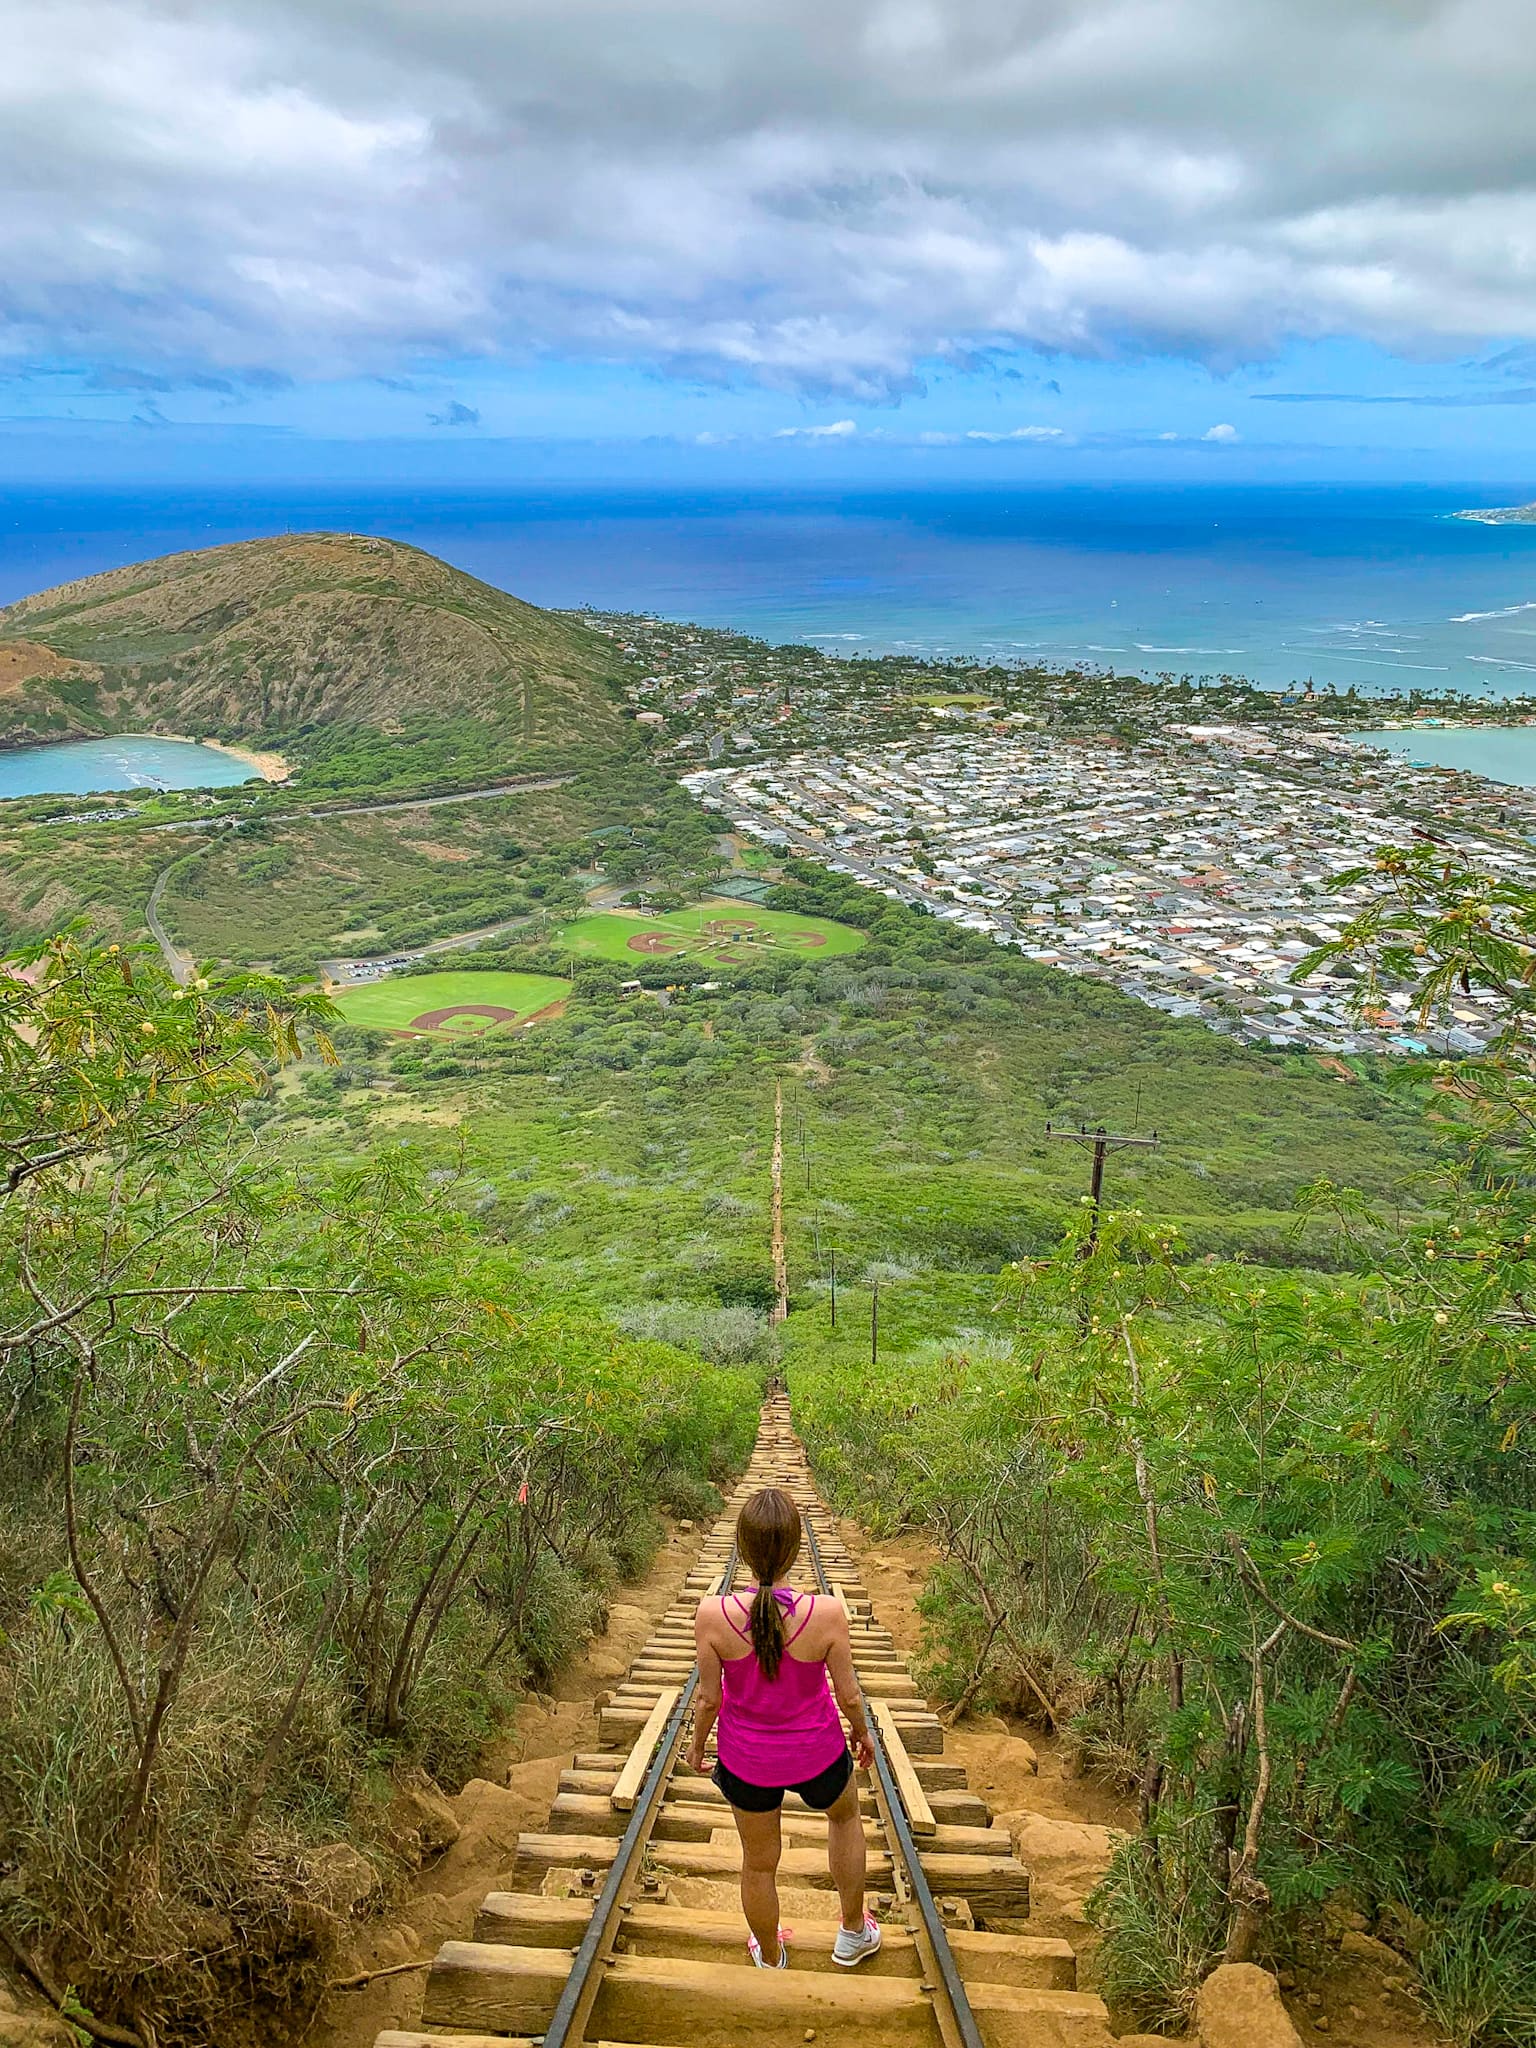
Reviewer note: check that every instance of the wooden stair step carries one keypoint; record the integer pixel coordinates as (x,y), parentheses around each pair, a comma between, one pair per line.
(994,1885)
(490,1985)
(414,2037)
(686,1815)
(529,1920)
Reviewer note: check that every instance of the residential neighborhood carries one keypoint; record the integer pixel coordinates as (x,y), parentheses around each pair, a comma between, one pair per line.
(1193,871)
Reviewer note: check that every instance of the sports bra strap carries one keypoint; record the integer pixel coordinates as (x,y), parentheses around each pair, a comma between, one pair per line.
(784,1595)
(810,1609)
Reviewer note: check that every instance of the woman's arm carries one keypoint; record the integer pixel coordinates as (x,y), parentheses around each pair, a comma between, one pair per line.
(706,1701)
(846,1688)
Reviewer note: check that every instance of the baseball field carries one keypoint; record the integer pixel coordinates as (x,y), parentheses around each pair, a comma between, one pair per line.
(466,1001)
(715,934)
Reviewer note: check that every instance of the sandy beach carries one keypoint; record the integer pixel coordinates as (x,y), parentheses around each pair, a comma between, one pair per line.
(271,767)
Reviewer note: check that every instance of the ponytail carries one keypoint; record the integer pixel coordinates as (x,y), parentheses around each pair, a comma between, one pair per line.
(767,1620)
(768,1537)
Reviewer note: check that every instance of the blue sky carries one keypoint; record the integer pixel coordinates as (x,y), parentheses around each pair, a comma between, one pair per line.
(698,239)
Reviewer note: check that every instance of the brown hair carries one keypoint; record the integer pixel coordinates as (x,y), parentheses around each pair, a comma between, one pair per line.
(768,1537)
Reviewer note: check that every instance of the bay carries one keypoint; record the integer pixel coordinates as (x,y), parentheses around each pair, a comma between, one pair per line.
(129,761)
(1504,753)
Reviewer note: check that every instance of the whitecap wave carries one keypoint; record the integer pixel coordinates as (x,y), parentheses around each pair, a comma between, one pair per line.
(1507,611)
(1438,668)
(1499,661)
(1377,627)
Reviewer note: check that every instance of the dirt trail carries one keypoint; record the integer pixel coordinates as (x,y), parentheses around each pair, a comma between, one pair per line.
(1063,1826)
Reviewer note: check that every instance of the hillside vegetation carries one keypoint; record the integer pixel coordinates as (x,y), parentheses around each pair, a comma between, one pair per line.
(302,1481)
(268,637)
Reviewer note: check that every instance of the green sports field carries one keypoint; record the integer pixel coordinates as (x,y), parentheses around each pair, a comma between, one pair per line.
(717,934)
(461,1002)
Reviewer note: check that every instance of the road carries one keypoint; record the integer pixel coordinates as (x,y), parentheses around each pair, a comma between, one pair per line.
(402,803)
(341,971)
(604,897)
(178,963)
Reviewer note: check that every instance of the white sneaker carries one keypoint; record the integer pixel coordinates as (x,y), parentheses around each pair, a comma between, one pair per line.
(754,1950)
(849,1949)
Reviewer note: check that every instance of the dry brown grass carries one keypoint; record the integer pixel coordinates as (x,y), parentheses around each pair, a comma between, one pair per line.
(22,661)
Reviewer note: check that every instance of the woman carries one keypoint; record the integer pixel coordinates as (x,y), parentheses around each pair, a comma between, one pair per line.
(764,1662)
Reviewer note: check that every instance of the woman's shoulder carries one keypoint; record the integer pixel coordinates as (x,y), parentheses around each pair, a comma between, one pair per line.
(818,1610)
(712,1609)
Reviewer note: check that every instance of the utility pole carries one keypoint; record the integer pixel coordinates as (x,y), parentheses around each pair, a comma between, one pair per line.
(1101,1141)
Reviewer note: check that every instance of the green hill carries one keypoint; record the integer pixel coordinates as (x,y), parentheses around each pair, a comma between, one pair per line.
(269,636)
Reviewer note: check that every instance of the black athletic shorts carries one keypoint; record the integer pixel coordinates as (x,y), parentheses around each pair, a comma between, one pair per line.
(819,1792)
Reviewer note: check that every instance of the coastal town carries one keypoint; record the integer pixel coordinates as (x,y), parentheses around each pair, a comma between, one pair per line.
(1186,875)
(1183,841)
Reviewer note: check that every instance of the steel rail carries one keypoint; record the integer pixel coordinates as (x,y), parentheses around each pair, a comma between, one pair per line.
(568,2023)
(952,2008)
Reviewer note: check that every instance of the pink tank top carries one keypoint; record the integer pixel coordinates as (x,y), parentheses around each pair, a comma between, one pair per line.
(783,1730)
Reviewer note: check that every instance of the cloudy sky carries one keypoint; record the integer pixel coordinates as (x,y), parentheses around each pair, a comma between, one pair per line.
(1015,237)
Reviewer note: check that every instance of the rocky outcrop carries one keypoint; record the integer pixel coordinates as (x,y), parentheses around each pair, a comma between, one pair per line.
(1239,2006)
(1065,1860)
(421,1814)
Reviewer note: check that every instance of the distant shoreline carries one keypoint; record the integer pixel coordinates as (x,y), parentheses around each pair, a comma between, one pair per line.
(1500,515)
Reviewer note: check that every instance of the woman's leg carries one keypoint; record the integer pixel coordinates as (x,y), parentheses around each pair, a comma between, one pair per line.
(845,1853)
(760,1845)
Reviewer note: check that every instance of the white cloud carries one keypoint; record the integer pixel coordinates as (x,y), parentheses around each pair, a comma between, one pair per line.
(817,196)
(1225,431)
(840,430)
(1017,434)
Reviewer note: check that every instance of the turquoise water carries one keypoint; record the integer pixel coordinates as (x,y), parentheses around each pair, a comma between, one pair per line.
(133,761)
(1504,753)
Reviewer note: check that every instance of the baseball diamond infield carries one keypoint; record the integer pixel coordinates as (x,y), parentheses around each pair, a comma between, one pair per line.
(439,1020)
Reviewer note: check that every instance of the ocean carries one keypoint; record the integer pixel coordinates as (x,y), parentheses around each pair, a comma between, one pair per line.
(1375,589)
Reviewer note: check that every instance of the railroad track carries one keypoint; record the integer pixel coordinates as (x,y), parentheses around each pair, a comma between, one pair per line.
(623,1924)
